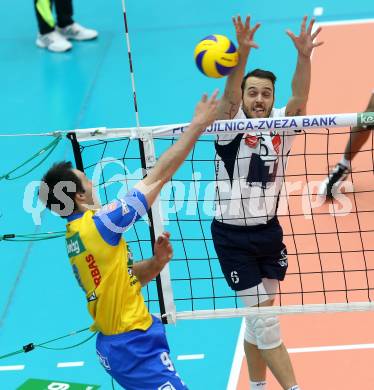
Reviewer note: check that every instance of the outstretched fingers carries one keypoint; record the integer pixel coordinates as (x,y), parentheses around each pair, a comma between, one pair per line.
(255,28)
(310,27)
(303,24)
(213,98)
(206,110)
(314,35)
(291,35)
(247,22)
(238,24)
(237,21)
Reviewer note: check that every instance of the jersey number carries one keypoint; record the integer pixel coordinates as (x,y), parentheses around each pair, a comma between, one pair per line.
(262,168)
(166,361)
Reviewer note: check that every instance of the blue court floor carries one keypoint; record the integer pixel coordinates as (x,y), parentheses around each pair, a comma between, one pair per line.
(90,86)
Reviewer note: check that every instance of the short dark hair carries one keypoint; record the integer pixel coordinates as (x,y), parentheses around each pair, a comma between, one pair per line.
(60,172)
(261,74)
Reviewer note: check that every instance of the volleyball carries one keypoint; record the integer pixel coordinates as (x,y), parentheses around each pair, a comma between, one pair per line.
(216,56)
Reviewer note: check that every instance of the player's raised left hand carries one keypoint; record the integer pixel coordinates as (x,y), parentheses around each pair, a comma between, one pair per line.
(163,251)
(304,43)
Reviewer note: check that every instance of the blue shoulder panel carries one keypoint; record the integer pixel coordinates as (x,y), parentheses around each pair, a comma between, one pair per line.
(118,216)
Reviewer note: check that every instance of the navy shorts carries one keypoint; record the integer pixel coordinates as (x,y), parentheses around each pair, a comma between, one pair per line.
(249,253)
(139,360)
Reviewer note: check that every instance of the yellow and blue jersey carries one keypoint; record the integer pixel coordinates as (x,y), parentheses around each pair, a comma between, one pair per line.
(99,257)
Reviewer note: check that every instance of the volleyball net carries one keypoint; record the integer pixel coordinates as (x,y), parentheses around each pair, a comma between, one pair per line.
(330,243)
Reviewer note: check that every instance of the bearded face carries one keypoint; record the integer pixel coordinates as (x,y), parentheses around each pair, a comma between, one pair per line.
(258,97)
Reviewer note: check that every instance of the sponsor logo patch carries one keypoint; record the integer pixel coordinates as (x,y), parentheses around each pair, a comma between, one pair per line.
(109,207)
(251,140)
(125,207)
(283,261)
(276,141)
(103,360)
(92,297)
(74,245)
(366,118)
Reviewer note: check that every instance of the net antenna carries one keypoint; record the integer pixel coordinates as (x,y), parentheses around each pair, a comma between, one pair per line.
(148,159)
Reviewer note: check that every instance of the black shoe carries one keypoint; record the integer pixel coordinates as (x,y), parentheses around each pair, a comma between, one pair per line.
(336,176)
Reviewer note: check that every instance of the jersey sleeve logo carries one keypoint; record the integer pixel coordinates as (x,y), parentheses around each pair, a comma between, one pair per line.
(276,141)
(125,207)
(74,245)
(130,256)
(92,297)
(251,140)
(108,208)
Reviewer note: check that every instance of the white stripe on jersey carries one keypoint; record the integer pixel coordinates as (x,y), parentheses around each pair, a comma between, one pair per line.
(250,172)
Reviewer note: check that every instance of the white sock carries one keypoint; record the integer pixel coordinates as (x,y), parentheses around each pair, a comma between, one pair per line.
(346,163)
(296,387)
(257,385)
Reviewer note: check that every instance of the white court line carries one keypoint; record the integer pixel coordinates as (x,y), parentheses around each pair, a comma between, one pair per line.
(238,360)
(339,23)
(12,368)
(239,350)
(198,356)
(70,364)
(239,354)
(331,348)
(342,22)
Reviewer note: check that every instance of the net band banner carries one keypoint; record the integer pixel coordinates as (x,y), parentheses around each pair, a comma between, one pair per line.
(235,126)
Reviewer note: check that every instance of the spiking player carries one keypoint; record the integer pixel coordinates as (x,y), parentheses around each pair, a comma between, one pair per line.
(250,171)
(131,344)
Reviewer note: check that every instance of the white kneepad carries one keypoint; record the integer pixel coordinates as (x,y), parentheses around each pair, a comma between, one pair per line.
(249,334)
(265,331)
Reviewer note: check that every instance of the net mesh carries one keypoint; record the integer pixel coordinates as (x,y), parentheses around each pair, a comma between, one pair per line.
(330,243)
(115,167)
